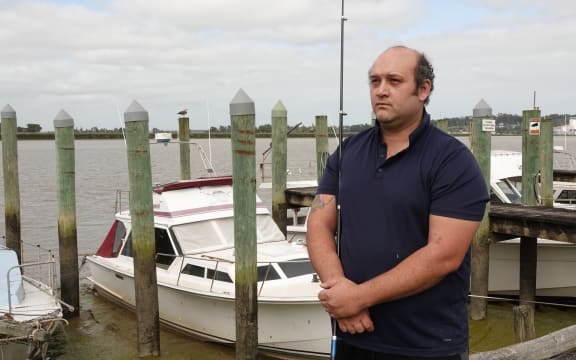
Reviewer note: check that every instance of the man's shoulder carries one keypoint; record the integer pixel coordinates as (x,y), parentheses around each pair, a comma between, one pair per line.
(361,136)
(445,143)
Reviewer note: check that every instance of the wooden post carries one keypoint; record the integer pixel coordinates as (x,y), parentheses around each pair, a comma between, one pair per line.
(244,180)
(481,144)
(11,184)
(523,323)
(547,162)
(279,154)
(67,233)
(184,138)
(530,155)
(143,239)
(442,124)
(528,245)
(321,144)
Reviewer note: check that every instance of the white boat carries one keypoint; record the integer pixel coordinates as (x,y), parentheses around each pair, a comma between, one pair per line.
(163,137)
(29,308)
(506,178)
(556,259)
(195,271)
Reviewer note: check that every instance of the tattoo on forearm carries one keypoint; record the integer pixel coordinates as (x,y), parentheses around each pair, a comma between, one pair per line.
(317,203)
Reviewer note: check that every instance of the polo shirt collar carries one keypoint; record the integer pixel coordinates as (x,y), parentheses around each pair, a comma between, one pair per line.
(421,129)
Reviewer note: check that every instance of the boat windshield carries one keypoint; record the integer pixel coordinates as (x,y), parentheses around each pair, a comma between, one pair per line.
(219,233)
(297,267)
(509,190)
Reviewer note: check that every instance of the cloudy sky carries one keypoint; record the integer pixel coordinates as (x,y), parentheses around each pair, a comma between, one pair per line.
(93,57)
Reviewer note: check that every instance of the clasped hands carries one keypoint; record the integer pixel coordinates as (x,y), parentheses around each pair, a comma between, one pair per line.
(340,299)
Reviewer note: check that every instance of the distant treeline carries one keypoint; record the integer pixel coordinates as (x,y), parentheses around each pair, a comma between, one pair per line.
(506,124)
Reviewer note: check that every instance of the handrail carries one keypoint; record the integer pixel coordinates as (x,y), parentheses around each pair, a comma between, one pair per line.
(218,260)
(22,266)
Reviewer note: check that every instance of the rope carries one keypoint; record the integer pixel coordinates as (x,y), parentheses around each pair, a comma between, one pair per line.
(525,301)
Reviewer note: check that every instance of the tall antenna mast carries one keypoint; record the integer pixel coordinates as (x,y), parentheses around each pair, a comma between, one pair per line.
(341,115)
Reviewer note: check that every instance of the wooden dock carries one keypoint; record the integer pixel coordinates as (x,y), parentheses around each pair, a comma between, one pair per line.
(509,221)
(300,197)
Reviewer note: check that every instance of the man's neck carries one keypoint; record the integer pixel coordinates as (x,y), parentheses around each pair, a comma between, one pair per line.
(398,139)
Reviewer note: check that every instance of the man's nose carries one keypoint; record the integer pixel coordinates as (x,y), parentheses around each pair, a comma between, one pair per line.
(382,89)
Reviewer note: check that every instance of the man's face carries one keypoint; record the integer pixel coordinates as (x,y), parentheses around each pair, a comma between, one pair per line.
(395,99)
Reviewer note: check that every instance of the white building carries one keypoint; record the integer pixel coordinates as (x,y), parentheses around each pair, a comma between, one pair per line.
(568,129)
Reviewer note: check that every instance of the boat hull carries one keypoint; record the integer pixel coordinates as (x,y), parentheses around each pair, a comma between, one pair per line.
(554,274)
(290,328)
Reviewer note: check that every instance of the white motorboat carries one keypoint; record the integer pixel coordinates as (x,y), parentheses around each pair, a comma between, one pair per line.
(29,308)
(556,259)
(195,271)
(163,137)
(506,178)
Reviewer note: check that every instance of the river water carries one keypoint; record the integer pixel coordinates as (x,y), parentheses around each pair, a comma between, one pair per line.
(106,332)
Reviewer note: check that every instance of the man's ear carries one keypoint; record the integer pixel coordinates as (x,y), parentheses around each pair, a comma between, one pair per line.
(424,90)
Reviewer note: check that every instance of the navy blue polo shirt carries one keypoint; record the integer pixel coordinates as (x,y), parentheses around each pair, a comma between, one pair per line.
(385,208)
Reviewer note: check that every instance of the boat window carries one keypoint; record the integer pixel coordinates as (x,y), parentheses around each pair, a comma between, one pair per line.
(165,253)
(218,275)
(296,268)
(509,191)
(127,250)
(267,229)
(210,234)
(267,272)
(194,270)
(118,236)
(219,233)
(567,196)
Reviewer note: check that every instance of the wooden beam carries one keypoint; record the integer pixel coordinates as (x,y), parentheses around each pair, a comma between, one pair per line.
(540,348)
(565,175)
(533,221)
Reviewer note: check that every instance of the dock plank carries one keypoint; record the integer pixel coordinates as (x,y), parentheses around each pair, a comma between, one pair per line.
(533,221)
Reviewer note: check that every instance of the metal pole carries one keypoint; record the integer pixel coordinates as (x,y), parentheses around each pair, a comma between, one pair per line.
(242,114)
(67,232)
(143,239)
(341,115)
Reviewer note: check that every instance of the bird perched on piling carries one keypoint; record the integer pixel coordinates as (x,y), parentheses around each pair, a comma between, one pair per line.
(182,112)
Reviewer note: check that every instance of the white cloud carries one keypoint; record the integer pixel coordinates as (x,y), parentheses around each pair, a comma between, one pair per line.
(93,57)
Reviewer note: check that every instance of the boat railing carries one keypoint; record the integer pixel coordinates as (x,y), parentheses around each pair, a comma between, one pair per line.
(218,261)
(44,273)
(122,201)
(296,170)
(47,288)
(206,161)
